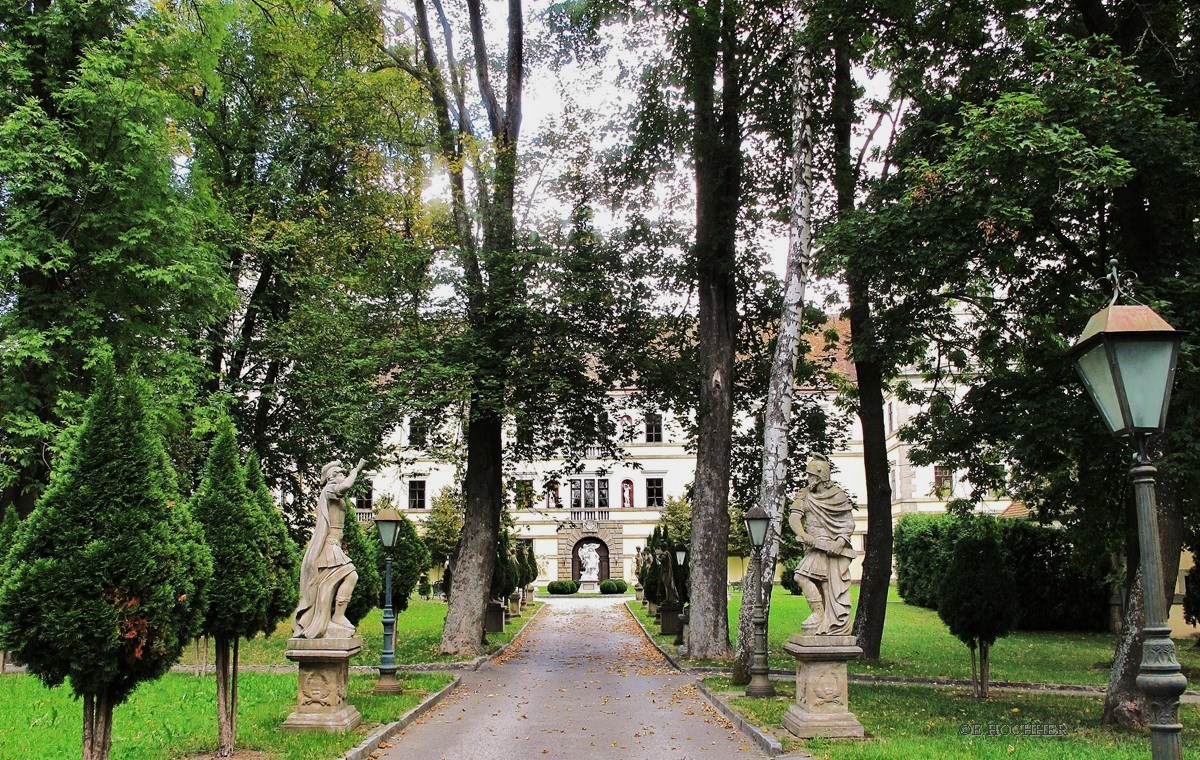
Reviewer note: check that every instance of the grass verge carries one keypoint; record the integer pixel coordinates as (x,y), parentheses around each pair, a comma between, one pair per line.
(177,716)
(922,721)
(916,644)
(418,635)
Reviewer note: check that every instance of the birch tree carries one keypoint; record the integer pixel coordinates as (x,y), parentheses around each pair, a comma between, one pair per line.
(772,493)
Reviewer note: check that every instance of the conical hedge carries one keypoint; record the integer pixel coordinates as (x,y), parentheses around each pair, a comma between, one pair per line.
(105,583)
(234,528)
(283,557)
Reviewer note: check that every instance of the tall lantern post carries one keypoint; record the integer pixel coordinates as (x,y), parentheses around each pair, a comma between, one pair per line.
(1126,357)
(387,522)
(757,520)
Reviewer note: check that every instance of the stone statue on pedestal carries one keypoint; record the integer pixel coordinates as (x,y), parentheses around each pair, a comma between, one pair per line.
(323,639)
(327,576)
(822,517)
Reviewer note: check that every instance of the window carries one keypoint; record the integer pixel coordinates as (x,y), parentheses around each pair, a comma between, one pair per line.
(889,417)
(654,493)
(366,502)
(589,493)
(654,428)
(552,500)
(523,494)
(943,481)
(418,433)
(416,494)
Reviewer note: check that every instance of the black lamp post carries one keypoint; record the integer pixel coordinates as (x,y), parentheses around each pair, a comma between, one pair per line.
(1126,357)
(387,521)
(757,520)
(680,558)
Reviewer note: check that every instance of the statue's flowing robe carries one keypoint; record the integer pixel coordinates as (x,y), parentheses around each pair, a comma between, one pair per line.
(829,521)
(324,567)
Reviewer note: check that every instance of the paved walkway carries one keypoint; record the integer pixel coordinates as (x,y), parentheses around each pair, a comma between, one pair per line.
(582,681)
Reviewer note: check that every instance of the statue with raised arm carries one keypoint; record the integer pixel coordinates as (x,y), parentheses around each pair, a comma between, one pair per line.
(822,517)
(327,576)
(589,559)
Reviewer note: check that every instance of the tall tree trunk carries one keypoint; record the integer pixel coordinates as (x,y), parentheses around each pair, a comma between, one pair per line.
(877,563)
(716,148)
(494,314)
(772,492)
(225,738)
(475,558)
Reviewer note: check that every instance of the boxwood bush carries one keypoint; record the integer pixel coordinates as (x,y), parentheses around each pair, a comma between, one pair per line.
(613,586)
(562,587)
(1057,587)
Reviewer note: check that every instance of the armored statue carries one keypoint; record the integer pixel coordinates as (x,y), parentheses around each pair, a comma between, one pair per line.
(327,576)
(822,517)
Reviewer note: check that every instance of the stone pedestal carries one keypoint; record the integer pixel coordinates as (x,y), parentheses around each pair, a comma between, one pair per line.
(639,593)
(493,621)
(652,609)
(669,618)
(324,670)
(589,587)
(822,707)
(514,604)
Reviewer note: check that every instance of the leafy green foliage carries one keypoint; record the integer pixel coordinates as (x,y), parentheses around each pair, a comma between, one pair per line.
(976,599)
(281,552)
(560,588)
(443,528)
(316,211)
(107,580)
(363,552)
(1060,585)
(8,531)
(235,530)
(100,248)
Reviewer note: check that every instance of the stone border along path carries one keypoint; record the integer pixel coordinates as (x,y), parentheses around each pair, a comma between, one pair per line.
(581,681)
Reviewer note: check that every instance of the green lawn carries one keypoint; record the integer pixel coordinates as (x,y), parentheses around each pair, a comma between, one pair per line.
(176,716)
(916,644)
(917,721)
(418,633)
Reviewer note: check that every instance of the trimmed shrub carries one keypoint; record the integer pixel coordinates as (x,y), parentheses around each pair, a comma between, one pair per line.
(562,587)
(613,586)
(977,600)
(922,557)
(363,553)
(787,575)
(1057,587)
(1191,594)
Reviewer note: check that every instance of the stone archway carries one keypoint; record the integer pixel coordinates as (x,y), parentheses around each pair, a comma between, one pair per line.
(601,549)
(606,532)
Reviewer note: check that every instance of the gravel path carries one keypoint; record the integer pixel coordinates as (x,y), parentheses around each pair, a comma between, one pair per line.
(582,681)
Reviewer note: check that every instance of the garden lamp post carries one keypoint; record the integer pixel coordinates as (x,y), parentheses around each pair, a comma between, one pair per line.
(1126,357)
(757,521)
(387,521)
(680,558)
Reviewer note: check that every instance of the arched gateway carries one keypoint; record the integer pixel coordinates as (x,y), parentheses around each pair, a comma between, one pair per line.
(577,563)
(610,545)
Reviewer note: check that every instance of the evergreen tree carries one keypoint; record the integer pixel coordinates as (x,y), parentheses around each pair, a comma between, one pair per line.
(283,556)
(8,534)
(106,582)
(242,580)
(364,553)
(8,530)
(977,600)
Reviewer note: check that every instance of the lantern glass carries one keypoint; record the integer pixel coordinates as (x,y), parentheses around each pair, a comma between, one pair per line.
(387,522)
(1100,381)
(757,521)
(680,556)
(1146,371)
